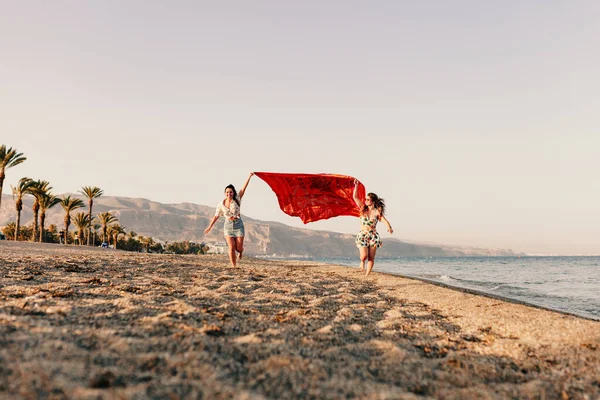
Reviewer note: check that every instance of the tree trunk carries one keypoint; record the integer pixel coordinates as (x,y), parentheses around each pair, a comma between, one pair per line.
(36,210)
(42,221)
(67,223)
(19,207)
(18,223)
(89,231)
(1,185)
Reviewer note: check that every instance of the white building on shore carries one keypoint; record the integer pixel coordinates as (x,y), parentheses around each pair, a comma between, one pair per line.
(217,248)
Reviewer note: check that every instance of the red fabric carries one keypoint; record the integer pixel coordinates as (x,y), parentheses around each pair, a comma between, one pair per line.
(313,197)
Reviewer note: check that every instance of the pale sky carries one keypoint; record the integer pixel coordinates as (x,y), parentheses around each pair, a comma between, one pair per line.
(478,122)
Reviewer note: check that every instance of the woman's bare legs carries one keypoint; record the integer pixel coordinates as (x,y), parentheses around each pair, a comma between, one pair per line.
(239,246)
(363,253)
(371,262)
(231,244)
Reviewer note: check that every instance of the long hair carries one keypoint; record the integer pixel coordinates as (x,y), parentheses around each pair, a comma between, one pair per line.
(378,204)
(235,195)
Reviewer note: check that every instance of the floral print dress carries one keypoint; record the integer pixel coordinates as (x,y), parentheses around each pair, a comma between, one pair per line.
(368,236)
(234,226)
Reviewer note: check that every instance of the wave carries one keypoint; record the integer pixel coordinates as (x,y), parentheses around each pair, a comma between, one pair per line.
(567,284)
(437,276)
(576,306)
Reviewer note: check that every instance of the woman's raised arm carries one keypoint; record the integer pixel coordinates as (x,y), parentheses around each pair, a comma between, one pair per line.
(241,194)
(358,201)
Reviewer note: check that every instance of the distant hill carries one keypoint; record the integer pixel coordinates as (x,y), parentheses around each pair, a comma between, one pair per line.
(187,221)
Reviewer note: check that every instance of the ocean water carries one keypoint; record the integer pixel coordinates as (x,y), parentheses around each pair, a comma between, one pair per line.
(569,284)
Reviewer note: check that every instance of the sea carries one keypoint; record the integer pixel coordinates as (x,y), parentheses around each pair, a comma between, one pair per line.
(567,284)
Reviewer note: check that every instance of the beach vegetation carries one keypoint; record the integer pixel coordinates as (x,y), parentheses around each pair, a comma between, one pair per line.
(114,231)
(147,242)
(149,245)
(186,247)
(39,189)
(82,222)
(94,225)
(90,192)
(46,201)
(24,187)
(129,243)
(9,231)
(86,223)
(52,230)
(25,232)
(105,219)
(69,204)
(9,158)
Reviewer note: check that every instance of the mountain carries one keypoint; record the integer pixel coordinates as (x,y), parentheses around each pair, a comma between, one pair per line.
(187,221)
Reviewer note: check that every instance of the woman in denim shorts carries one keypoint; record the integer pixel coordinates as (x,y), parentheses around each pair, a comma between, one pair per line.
(234,226)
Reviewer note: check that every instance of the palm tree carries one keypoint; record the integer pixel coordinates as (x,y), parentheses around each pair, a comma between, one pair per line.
(116,230)
(9,230)
(47,201)
(25,186)
(82,222)
(39,189)
(95,227)
(147,242)
(69,204)
(8,159)
(105,219)
(52,229)
(91,193)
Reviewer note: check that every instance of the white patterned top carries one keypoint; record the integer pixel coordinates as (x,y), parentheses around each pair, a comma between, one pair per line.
(232,212)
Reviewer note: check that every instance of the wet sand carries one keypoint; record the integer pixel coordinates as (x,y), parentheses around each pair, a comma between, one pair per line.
(90,323)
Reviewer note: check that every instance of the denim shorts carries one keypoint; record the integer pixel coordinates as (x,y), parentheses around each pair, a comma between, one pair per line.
(234,228)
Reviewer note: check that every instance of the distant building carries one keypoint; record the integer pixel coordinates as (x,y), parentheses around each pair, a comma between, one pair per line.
(217,248)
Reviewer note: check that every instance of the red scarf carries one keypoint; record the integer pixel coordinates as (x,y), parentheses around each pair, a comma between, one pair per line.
(313,197)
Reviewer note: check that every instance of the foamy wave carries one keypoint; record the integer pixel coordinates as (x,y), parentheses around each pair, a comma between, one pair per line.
(436,277)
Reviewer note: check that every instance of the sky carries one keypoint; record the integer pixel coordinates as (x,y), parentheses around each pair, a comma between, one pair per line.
(477,122)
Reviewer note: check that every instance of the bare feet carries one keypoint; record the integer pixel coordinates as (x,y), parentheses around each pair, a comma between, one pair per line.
(240,256)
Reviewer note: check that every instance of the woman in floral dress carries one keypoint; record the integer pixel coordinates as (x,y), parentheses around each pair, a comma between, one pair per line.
(368,240)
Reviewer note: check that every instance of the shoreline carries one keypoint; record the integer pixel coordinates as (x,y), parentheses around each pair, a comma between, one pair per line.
(80,322)
(471,290)
(485,294)
(497,297)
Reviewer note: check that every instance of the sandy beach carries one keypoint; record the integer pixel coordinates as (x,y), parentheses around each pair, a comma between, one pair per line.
(90,323)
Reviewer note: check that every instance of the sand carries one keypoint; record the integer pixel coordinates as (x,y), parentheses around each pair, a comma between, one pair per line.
(90,323)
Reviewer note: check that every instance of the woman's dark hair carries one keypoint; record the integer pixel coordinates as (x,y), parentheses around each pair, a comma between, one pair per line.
(378,203)
(235,195)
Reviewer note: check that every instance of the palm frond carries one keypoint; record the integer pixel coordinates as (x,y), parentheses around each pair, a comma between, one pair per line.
(91,192)
(9,157)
